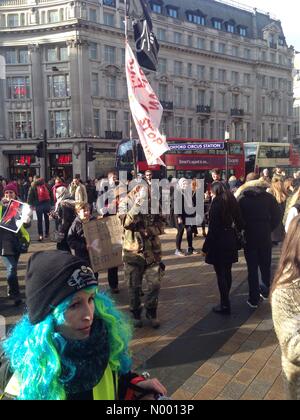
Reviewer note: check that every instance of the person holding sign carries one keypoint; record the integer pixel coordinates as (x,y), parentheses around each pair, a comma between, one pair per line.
(11,243)
(142,252)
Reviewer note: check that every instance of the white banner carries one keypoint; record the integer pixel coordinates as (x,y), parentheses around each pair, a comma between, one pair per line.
(146,110)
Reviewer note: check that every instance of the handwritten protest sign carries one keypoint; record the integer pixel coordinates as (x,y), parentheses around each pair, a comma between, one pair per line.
(104,242)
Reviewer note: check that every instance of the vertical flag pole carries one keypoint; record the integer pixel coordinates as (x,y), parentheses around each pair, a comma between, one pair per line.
(133,142)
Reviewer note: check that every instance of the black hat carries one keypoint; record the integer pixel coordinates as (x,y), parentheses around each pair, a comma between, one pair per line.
(51,277)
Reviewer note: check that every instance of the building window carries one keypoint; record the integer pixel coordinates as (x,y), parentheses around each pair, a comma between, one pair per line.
(52,54)
(190,41)
(20,125)
(12,20)
(164,126)
(247,79)
(230,28)
(156,8)
(127,123)
(23,56)
(235,77)
(173,12)
(178,68)
(190,128)
(177,38)
(235,101)
(178,93)
(190,97)
(161,34)
(211,74)
(18,88)
(163,92)
(201,97)
(201,72)
(222,48)
(222,101)
(96,122)
(95,84)
(59,86)
(111,120)
(247,54)
(201,43)
(221,130)
(93,15)
(235,51)
(53,16)
(222,76)
(247,103)
(179,127)
(212,99)
(110,54)
(93,53)
(59,123)
(242,31)
(281,41)
(201,129)
(197,19)
(111,3)
(190,70)
(211,129)
(111,87)
(108,19)
(11,57)
(162,65)
(217,24)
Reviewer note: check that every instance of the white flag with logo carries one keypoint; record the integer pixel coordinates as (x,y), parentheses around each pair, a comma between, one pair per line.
(146,110)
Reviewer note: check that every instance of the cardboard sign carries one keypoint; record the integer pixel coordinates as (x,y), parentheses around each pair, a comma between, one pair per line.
(15,216)
(104,242)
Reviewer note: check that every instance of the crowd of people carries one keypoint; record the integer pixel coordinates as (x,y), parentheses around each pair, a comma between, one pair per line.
(255,214)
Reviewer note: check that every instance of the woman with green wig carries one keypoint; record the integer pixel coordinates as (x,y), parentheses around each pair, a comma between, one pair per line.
(73,343)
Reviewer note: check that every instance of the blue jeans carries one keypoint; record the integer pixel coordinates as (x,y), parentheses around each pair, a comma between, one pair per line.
(11,264)
(43,209)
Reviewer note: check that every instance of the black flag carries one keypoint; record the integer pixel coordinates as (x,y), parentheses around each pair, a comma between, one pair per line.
(146,43)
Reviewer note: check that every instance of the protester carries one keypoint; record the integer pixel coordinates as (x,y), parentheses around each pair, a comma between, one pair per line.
(78,191)
(285,308)
(64,215)
(76,239)
(183,211)
(40,197)
(278,191)
(11,246)
(73,343)
(142,253)
(221,247)
(261,215)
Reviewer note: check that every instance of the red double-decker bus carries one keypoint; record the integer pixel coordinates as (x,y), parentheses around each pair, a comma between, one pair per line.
(189,158)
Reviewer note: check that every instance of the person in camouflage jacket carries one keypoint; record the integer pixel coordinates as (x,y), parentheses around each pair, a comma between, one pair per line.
(142,253)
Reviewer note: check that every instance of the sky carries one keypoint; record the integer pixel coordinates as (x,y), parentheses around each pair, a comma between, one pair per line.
(285,10)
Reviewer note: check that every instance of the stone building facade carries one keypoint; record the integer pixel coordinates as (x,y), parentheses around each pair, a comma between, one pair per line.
(221,68)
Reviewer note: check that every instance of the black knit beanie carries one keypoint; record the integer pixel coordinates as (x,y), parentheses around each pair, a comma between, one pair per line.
(51,277)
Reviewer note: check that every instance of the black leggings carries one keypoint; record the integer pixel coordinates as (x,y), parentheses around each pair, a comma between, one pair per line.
(223,272)
(189,235)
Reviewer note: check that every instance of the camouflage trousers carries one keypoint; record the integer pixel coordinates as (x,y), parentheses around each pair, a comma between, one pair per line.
(134,275)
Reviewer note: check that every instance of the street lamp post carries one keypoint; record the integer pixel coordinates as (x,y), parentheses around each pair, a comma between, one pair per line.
(227,138)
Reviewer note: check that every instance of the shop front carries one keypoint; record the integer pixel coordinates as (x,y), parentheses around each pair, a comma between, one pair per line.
(61,165)
(23,165)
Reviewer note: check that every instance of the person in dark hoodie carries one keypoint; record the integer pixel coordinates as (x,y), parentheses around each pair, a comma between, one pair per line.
(76,239)
(261,214)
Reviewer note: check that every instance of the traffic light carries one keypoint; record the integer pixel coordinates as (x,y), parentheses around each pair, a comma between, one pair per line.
(40,149)
(91,154)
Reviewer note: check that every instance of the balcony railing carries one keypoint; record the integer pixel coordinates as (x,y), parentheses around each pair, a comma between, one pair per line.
(167,106)
(203,109)
(235,112)
(114,135)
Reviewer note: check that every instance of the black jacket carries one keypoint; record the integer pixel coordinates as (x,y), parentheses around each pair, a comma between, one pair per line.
(221,245)
(76,240)
(261,214)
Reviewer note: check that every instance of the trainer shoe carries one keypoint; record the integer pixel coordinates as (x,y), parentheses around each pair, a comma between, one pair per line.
(264,296)
(252,305)
(179,253)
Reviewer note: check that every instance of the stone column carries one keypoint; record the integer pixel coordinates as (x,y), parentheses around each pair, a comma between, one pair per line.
(37,91)
(2,96)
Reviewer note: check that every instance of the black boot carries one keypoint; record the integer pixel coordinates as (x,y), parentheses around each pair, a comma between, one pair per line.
(222,310)
(151,314)
(137,318)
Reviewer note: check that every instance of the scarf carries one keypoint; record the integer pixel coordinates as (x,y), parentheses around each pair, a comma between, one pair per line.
(84,362)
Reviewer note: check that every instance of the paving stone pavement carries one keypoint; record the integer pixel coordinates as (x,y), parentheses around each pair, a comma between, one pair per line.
(197,354)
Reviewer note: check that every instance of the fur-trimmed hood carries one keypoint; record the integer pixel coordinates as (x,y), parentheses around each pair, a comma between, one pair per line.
(259,184)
